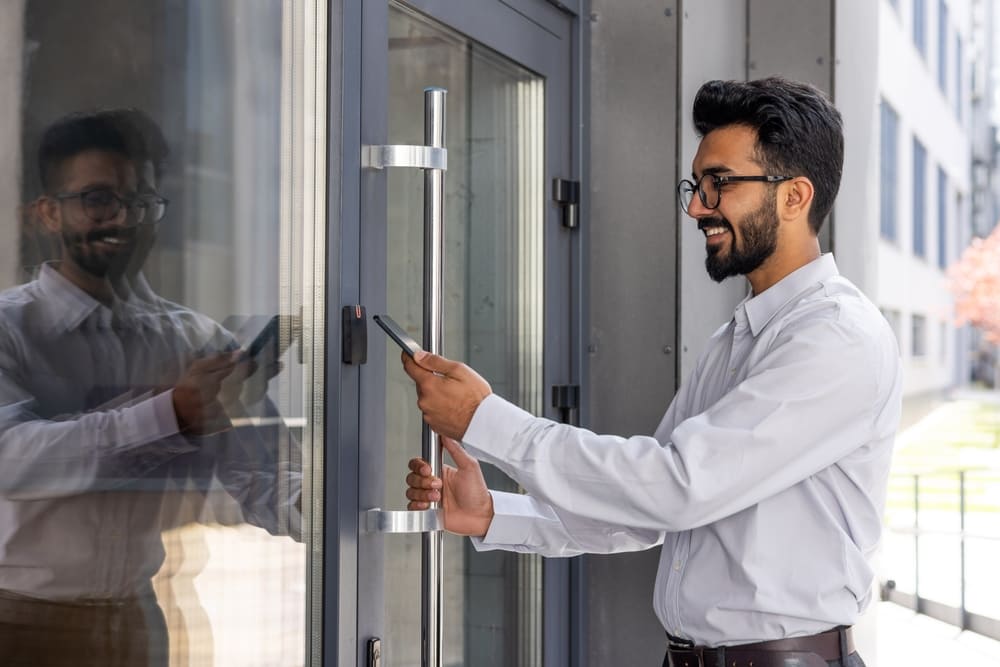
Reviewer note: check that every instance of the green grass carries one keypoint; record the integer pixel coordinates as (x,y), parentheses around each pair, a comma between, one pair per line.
(958,435)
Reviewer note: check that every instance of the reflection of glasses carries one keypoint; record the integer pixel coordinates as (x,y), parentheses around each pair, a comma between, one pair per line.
(709,188)
(102,205)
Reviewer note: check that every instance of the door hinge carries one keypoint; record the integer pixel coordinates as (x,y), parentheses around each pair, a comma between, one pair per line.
(567,194)
(566,399)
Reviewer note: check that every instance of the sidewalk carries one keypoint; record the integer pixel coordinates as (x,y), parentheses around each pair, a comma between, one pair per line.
(907,639)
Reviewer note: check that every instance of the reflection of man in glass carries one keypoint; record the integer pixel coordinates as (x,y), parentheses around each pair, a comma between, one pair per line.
(112,403)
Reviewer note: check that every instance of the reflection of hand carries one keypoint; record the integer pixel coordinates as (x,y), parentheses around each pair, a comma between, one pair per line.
(248,381)
(196,395)
(448,392)
(464,498)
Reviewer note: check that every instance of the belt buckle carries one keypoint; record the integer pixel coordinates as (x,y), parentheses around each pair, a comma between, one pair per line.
(697,651)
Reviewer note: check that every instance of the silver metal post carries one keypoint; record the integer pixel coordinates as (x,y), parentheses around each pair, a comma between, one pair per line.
(433,543)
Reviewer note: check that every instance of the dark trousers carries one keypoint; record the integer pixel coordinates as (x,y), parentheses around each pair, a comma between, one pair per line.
(853,660)
(43,633)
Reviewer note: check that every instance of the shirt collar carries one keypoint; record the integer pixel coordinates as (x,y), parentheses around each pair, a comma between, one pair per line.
(762,308)
(68,307)
(65,304)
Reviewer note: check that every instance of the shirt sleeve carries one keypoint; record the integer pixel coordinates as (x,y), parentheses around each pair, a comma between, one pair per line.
(70,454)
(808,402)
(525,525)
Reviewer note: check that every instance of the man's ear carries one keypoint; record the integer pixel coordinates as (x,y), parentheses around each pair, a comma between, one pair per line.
(795,198)
(49,212)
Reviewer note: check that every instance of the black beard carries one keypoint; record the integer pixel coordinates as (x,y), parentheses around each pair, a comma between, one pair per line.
(759,235)
(95,263)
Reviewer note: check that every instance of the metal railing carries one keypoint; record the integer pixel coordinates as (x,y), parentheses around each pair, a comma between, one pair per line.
(932,509)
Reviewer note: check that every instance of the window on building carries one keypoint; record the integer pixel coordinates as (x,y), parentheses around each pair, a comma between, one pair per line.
(920,26)
(942,54)
(959,88)
(887,171)
(919,197)
(942,218)
(918,338)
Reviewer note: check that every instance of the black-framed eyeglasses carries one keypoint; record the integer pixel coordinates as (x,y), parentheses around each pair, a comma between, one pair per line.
(102,204)
(709,188)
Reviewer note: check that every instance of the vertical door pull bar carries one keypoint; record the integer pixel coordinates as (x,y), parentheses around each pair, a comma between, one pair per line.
(431,564)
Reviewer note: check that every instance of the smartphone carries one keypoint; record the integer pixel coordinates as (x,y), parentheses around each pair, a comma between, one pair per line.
(403,339)
(269,338)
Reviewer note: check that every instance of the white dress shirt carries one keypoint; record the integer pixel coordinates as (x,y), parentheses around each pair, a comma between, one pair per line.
(764,482)
(92,466)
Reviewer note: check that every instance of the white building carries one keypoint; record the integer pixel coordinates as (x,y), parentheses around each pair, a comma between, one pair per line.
(925,151)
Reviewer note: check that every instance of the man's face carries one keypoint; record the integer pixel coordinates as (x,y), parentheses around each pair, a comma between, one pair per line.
(742,232)
(100,248)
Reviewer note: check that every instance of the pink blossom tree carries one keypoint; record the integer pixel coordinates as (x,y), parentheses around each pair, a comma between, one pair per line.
(975,283)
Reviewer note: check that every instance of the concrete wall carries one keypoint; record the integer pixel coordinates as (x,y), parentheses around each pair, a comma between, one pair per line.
(633,286)
(713,46)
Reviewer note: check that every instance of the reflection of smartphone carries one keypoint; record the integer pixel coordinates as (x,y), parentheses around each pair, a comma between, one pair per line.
(403,339)
(268,336)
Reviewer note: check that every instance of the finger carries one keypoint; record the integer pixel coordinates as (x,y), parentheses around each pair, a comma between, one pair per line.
(416,507)
(423,496)
(436,364)
(415,481)
(420,467)
(458,453)
(412,368)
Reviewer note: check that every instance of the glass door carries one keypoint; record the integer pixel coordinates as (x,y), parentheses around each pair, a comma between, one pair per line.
(162,390)
(506,294)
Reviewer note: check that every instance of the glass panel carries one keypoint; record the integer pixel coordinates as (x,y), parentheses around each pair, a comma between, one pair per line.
(492,316)
(157,375)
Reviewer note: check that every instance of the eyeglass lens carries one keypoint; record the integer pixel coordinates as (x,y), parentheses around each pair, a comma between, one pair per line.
(102,205)
(707,189)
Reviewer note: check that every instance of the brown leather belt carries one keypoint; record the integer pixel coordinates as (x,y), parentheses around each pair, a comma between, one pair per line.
(810,651)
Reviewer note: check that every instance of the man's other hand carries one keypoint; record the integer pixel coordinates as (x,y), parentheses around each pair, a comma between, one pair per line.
(196,395)
(448,392)
(462,492)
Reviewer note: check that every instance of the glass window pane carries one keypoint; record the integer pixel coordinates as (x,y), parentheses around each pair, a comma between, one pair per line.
(494,206)
(157,365)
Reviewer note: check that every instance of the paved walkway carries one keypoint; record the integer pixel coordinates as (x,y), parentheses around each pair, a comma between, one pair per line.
(906,639)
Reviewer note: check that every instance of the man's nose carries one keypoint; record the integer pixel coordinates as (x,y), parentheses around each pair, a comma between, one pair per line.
(697,210)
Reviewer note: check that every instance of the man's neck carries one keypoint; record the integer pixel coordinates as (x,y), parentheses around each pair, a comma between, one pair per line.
(777,266)
(99,288)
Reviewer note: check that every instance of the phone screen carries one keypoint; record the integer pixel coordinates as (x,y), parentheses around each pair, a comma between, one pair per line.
(395,332)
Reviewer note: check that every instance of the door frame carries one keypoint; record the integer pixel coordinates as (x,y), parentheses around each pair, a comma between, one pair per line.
(544,38)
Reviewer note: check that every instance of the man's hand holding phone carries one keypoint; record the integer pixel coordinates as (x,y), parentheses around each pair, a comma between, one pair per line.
(448,392)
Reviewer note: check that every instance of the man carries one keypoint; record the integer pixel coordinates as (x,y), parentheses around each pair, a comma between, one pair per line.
(115,408)
(765,480)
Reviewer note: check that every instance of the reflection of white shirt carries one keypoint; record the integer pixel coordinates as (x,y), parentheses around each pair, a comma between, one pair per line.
(92,466)
(765,482)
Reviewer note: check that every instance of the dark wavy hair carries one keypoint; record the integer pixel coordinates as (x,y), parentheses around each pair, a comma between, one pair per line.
(127,131)
(799,132)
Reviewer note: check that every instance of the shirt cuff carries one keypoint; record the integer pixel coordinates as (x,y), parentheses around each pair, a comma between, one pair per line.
(163,414)
(495,425)
(514,517)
